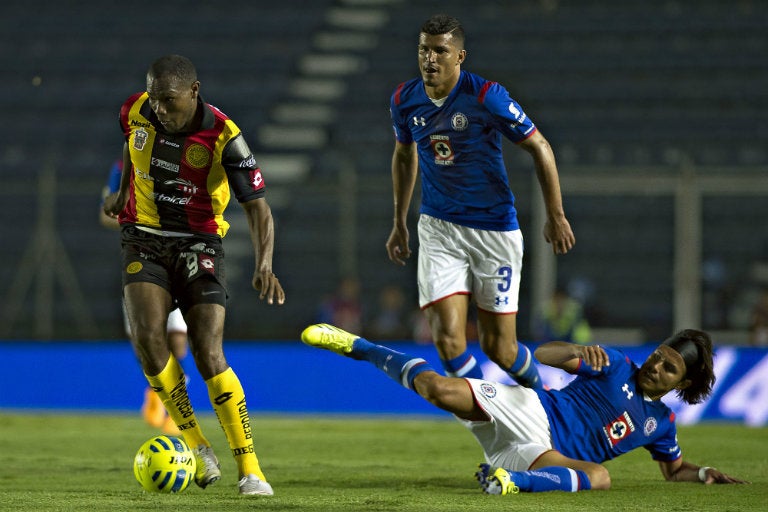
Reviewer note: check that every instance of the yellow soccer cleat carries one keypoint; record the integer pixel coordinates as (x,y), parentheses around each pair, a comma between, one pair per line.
(501,483)
(329,337)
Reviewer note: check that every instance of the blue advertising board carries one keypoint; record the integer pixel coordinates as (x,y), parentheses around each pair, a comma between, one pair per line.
(289,377)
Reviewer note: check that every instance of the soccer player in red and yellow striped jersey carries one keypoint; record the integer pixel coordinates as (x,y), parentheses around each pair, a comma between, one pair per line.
(181,157)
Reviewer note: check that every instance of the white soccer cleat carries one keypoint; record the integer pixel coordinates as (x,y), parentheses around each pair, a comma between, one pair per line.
(251,485)
(208,466)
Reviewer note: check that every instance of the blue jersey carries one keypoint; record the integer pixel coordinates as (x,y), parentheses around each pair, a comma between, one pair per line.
(113,182)
(463,178)
(115,174)
(601,415)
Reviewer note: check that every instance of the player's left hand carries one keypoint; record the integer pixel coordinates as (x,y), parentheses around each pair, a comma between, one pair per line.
(595,356)
(266,281)
(558,232)
(717,477)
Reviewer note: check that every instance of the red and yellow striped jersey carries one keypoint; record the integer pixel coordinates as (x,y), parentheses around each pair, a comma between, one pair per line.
(181,182)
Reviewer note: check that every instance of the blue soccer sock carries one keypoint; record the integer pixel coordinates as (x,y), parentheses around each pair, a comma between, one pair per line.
(552,478)
(524,370)
(463,366)
(402,368)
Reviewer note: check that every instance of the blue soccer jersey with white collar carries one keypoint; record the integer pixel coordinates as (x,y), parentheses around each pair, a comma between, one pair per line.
(463,176)
(601,415)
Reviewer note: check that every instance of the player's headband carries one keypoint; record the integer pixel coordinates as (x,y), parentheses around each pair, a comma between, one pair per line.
(689,352)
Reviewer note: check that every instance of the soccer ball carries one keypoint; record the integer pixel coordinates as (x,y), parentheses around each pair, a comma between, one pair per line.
(164,464)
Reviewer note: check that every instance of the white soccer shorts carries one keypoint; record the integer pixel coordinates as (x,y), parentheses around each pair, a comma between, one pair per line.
(518,431)
(456,259)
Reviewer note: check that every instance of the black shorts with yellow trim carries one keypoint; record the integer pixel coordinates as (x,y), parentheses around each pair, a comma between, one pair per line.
(190,268)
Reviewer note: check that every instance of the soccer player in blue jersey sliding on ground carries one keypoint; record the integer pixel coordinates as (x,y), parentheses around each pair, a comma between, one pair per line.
(538,440)
(449,125)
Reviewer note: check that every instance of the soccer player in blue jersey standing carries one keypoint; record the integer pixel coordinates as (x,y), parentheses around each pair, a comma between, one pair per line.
(538,440)
(449,124)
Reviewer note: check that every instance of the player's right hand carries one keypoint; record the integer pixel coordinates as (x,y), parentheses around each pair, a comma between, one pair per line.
(113,205)
(397,245)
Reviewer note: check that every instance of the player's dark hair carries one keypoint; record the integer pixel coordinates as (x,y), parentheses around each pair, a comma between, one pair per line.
(176,66)
(444,24)
(696,349)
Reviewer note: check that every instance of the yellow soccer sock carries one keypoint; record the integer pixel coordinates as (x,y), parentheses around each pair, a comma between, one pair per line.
(170,385)
(228,400)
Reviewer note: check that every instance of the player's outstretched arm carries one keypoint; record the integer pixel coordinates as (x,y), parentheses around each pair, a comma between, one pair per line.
(683,471)
(567,356)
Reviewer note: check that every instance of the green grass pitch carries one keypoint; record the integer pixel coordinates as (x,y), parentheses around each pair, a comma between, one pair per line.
(83,462)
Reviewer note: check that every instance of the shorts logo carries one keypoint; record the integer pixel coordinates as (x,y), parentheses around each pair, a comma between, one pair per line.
(140,137)
(650,426)
(459,122)
(207,263)
(134,268)
(488,389)
(197,156)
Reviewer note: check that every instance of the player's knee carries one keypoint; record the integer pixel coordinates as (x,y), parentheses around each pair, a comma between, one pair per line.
(599,478)
(426,385)
(449,345)
(434,388)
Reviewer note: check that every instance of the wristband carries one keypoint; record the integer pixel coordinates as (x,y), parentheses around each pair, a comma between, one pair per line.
(703,473)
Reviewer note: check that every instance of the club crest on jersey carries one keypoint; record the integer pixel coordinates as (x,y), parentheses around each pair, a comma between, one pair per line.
(619,429)
(197,156)
(650,426)
(441,145)
(140,137)
(488,389)
(459,122)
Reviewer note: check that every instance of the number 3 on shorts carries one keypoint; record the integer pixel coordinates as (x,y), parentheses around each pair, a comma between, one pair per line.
(506,278)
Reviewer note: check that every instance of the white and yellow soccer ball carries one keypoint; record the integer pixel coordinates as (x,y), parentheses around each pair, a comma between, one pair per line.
(164,464)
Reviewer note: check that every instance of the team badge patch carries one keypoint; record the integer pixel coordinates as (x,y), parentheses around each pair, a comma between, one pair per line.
(619,428)
(197,156)
(650,426)
(488,389)
(459,122)
(134,268)
(140,137)
(441,145)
